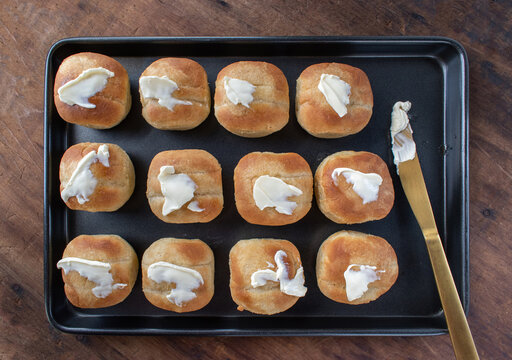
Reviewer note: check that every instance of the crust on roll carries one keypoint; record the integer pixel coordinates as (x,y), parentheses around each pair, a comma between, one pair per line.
(105,248)
(341,203)
(345,248)
(268,112)
(115,183)
(112,103)
(190,253)
(289,167)
(249,256)
(204,169)
(192,86)
(315,114)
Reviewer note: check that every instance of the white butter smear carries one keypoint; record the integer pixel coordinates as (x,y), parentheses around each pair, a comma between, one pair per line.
(269,191)
(87,84)
(177,189)
(239,91)
(336,93)
(96,271)
(194,206)
(366,185)
(357,281)
(161,88)
(82,182)
(294,287)
(185,279)
(403,146)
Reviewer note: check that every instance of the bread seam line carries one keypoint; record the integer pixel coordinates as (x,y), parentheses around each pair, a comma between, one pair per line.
(316,104)
(182,265)
(255,101)
(300,176)
(118,261)
(153,100)
(156,195)
(191,173)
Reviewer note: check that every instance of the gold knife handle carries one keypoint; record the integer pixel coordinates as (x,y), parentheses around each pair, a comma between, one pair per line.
(462,341)
(414,187)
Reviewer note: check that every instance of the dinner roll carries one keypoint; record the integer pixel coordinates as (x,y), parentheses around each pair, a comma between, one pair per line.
(333,100)
(178,274)
(185,186)
(174,94)
(273,189)
(354,187)
(266,275)
(251,98)
(355,268)
(98,270)
(92,90)
(96,177)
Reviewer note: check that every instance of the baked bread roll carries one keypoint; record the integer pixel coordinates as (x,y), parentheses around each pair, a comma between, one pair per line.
(273,189)
(92,90)
(355,268)
(96,177)
(98,270)
(252,98)
(193,186)
(174,94)
(255,284)
(349,197)
(344,110)
(180,276)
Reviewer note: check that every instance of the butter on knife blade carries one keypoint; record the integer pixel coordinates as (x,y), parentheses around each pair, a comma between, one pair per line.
(403,145)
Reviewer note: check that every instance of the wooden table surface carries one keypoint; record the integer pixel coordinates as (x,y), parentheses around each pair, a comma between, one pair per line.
(27,30)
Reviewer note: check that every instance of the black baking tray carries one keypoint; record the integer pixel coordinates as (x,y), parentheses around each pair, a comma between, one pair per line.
(430,72)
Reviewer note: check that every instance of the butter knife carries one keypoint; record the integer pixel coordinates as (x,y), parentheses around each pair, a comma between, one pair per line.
(414,187)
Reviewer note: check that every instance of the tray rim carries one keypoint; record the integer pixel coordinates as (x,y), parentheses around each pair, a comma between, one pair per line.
(464,292)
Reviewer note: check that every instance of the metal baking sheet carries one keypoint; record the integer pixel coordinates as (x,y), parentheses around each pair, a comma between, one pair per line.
(430,72)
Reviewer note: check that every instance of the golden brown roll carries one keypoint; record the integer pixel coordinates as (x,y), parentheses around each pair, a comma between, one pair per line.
(367,261)
(86,183)
(186,103)
(194,186)
(110,104)
(181,274)
(315,114)
(257,293)
(286,176)
(340,202)
(98,270)
(257,101)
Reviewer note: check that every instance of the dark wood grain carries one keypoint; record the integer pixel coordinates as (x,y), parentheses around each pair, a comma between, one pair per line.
(27,30)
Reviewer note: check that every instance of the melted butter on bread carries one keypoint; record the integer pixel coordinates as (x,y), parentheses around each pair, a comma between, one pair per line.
(357,281)
(161,88)
(194,206)
(366,185)
(82,182)
(294,287)
(269,191)
(177,189)
(95,271)
(87,84)
(185,279)
(239,91)
(336,93)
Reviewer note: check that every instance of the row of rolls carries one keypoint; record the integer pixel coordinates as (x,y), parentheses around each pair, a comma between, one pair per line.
(266,275)
(185,186)
(251,97)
